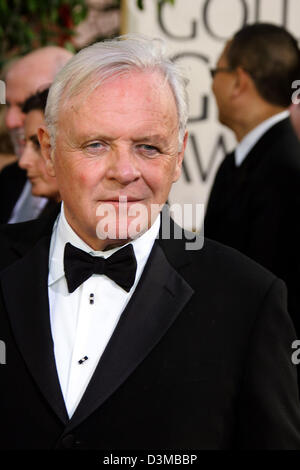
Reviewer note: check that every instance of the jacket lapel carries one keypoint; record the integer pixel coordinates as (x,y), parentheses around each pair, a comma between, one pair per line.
(28,310)
(159,297)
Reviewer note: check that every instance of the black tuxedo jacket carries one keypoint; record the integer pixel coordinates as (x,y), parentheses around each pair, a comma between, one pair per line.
(12,181)
(255,208)
(200,359)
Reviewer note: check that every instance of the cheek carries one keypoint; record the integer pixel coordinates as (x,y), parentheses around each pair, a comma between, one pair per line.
(89,175)
(159,174)
(79,173)
(40,167)
(65,175)
(218,92)
(83,178)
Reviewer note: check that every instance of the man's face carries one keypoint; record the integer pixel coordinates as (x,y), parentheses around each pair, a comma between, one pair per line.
(32,160)
(119,141)
(221,87)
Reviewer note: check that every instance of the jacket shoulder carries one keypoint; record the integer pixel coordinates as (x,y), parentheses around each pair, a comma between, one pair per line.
(221,268)
(17,239)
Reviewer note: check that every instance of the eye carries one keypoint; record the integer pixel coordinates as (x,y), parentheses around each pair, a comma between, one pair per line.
(148,150)
(35,142)
(94,147)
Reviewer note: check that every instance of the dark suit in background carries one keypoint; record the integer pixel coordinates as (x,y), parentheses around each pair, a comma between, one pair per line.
(12,181)
(200,358)
(255,207)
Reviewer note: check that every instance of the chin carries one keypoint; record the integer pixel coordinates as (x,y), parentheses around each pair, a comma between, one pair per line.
(224,120)
(36,193)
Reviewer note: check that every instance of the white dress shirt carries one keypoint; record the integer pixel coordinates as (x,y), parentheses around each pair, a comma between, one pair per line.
(80,328)
(248,142)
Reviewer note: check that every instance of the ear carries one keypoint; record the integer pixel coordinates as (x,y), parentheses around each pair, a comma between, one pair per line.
(180,156)
(46,149)
(242,83)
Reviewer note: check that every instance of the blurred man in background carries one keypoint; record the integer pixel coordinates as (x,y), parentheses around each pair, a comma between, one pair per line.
(33,72)
(254,204)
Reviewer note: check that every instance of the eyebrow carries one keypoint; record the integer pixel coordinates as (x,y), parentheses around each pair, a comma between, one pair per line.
(150,138)
(143,138)
(20,105)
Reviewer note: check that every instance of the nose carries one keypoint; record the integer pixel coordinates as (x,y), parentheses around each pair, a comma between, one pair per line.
(26,160)
(14,117)
(122,167)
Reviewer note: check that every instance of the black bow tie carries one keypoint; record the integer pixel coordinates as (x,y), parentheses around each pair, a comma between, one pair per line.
(79,266)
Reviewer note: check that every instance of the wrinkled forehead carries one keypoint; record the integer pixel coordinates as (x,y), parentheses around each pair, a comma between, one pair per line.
(127,107)
(150,88)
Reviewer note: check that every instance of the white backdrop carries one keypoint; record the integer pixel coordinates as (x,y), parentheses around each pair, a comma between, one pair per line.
(196,31)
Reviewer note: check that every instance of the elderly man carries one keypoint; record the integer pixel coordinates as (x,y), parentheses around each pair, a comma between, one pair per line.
(255,199)
(33,72)
(119,337)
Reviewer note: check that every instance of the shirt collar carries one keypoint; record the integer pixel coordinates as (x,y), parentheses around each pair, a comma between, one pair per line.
(62,233)
(248,142)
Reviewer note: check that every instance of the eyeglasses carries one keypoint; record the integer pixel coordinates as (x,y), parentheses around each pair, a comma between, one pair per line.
(213,72)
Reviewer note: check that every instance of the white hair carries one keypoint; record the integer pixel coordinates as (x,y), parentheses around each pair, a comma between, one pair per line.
(95,64)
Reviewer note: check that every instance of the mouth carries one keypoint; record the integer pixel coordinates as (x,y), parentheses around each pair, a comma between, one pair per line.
(31,177)
(121,200)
